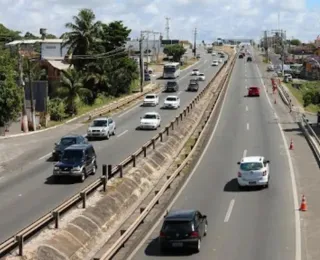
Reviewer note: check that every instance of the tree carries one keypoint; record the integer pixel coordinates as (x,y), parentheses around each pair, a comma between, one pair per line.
(175,50)
(295,42)
(30,36)
(84,32)
(72,89)
(10,99)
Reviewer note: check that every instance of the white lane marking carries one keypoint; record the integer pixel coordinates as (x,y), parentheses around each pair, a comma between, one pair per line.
(244,153)
(293,181)
(247,108)
(44,157)
(146,237)
(247,126)
(228,214)
(121,134)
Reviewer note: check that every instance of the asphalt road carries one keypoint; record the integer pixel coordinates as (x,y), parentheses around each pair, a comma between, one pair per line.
(244,225)
(27,194)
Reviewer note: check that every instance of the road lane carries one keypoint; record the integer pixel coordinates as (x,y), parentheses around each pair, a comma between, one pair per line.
(245,225)
(27,194)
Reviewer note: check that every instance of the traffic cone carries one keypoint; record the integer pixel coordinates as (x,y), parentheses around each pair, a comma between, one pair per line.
(291,144)
(303,206)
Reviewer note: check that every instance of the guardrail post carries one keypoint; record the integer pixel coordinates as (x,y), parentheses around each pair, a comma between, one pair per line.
(191,105)
(144,148)
(83,196)
(120,167)
(122,231)
(104,169)
(153,143)
(104,183)
(109,171)
(167,130)
(133,160)
(177,119)
(161,137)
(20,240)
(172,125)
(181,116)
(56,217)
(188,109)
(155,193)
(185,112)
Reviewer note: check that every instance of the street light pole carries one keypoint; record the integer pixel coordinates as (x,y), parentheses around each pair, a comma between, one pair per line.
(33,117)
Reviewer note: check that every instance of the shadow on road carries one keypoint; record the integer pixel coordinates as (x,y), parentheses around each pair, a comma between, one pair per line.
(51,180)
(232,186)
(153,249)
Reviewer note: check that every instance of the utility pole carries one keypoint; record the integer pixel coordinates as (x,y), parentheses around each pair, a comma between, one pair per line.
(33,116)
(282,49)
(24,118)
(195,42)
(266,47)
(141,62)
(167,27)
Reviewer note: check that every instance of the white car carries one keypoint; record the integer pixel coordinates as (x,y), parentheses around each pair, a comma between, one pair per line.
(220,60)
(195,72)
(101,127)
(253,171)
(215,63)
(214,54)
(151,100)
(172,102)
(150,120)
(202,77)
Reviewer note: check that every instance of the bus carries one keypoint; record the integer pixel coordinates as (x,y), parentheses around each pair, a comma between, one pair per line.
(209,49)
(171,70)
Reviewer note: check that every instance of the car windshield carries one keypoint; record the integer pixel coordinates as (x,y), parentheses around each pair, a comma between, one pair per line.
(201,74)
(174,226)
(67,141)
(171,99)
(195,70)
(254,88)
(100,123)
(252,166)
(150,116)
(169,70)
(171,83)
(150,97)
(72,156)
(193,81)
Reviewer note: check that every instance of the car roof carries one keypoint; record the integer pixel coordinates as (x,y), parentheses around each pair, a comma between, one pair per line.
(101,118)
(251,159)
(151,113)
(184,214)
(151,94)
(78,147)
(70,136)
(172,97)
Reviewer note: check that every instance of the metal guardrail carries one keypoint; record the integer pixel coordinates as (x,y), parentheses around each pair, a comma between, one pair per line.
(126,235)
(108,172)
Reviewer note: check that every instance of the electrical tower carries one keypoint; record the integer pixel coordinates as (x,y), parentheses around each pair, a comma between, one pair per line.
(167,27)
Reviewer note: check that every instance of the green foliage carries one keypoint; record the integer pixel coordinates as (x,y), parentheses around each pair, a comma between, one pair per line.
(175,50)
(311,97)
(10,99)
(295,42)
(56,109)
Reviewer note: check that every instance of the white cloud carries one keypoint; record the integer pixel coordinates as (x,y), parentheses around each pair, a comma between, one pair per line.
(213,18)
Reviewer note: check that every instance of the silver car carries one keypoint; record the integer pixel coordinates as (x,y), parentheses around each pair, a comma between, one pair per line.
(101,127)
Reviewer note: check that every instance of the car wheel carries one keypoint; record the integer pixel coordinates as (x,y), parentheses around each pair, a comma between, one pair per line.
(267,185)
(108,136)
(240,187)
(94,169)
(83,175)
(114,131)
(205,229)
(198,246)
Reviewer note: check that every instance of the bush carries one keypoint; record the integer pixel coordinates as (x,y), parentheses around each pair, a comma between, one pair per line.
(56,109)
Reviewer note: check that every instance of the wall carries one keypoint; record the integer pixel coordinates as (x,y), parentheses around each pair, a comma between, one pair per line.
(53,50)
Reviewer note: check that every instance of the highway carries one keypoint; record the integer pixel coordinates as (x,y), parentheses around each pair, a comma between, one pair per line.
(245,225)
(28,194)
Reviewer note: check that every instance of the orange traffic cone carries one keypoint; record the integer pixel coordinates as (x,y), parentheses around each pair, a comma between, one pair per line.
(291,144)
(303,206)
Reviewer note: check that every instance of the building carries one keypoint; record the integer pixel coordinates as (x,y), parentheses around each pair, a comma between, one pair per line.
(152,49)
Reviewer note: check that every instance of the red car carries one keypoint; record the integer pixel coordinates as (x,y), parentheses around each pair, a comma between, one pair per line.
(254,92)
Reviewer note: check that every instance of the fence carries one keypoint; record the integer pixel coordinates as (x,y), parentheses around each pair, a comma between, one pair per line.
(108,172)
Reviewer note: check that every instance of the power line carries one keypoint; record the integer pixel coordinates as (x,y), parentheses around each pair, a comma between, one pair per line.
(167,27)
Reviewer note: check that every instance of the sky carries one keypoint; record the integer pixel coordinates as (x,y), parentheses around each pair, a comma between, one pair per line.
(212,18)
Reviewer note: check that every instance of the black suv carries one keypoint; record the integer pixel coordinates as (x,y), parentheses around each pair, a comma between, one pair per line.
(193,85)
(171,86)
(65,142)
(183,228)
(78,160)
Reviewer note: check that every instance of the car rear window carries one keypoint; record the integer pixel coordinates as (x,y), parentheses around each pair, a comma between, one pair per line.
(252,166)
(254,88)
(173,226)
(68,141)
(150,97)
(171,99)
(195,70)
(150,116)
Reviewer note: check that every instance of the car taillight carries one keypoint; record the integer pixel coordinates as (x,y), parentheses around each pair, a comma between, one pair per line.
(239,174)
(194,234)
(162,234)
(264,173)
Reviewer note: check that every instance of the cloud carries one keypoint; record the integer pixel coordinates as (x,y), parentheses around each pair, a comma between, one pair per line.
(212,18)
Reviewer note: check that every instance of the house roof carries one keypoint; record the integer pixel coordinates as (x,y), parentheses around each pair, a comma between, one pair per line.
(13,43)
(60,65)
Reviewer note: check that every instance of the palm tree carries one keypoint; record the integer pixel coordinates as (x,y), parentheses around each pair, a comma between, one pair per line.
(72,89)
(83,33)
(96,76)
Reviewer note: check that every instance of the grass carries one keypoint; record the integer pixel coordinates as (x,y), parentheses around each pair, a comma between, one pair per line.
(186,150)
(189,63)
(83,109)
(298,93)
(265,60)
